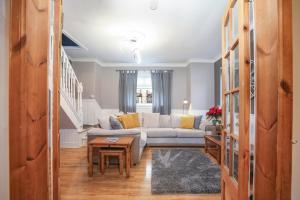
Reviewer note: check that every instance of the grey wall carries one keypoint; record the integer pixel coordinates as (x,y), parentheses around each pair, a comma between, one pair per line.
(103,83)
(107,87)
(180,90)
(86,73)
(296,99)
(4,143)
(202,85)
(194,83)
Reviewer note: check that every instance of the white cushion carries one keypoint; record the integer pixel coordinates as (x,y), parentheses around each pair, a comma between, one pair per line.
(175,121)
(151,120)
(104,122)
(165,121)
(161,133)
(189,133)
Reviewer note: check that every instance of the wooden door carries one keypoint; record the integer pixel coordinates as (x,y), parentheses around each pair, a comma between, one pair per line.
(236,100)
(274,68)
(28,99)
(258,168)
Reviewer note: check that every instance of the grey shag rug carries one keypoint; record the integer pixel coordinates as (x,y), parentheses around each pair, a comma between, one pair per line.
(187,171)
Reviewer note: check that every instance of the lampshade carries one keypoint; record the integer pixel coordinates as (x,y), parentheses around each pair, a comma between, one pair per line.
(185,101)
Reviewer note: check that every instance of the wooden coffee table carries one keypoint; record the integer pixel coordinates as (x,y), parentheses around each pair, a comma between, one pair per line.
(213,146)
(102,142)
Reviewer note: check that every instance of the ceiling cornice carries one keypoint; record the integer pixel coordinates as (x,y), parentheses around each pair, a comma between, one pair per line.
(111,64)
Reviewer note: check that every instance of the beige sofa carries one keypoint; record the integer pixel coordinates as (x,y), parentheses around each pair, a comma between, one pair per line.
(155,130)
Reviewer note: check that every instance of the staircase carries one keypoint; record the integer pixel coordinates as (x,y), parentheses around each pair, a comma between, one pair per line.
(70,92)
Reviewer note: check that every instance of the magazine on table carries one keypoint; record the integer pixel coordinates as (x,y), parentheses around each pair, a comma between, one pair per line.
(112,139)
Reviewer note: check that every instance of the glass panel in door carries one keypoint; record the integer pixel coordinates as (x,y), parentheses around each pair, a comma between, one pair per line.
(236,67)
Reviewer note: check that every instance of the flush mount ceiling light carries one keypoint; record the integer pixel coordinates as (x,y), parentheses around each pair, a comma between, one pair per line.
(153,4)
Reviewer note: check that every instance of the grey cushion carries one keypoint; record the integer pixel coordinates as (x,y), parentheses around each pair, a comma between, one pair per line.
(197,121)
(161,133)
(115,123)
(189,133)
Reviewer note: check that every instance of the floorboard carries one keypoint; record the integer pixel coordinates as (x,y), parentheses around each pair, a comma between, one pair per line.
(76,185)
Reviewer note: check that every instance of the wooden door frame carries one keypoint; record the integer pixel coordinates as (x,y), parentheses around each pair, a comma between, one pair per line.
(56,96)
(28,99)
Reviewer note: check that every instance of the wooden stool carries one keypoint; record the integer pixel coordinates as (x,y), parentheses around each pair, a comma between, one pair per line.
(103,153)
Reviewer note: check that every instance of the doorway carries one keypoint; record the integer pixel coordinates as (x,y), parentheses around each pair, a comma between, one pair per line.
(28,122)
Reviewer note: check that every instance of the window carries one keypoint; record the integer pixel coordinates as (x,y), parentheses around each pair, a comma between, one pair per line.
(144,88)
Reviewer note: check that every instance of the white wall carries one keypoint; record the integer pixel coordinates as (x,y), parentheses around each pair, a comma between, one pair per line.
(4,148)
(202,85)
(296,113)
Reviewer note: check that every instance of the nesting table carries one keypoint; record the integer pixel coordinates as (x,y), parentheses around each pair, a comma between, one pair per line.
(102,142)
(213,146)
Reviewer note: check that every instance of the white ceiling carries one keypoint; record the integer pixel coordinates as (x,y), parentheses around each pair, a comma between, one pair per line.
(178,32)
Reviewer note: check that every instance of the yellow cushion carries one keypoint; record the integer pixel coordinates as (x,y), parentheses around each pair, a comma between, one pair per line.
(187,122)
(130,121)
(136,120)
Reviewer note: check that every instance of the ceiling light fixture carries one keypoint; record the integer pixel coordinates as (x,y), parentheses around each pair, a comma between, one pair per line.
(137,56)
(153,4)
(131,43)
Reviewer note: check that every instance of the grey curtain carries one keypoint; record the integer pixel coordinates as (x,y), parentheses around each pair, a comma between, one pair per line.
(127,90)
(161,91)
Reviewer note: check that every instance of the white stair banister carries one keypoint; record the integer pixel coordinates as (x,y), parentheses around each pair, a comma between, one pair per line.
(71,88)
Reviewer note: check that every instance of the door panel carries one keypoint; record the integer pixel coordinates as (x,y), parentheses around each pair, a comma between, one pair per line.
(235,163)
(28,100)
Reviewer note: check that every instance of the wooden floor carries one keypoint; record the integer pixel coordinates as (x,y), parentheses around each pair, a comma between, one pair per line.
(76,185)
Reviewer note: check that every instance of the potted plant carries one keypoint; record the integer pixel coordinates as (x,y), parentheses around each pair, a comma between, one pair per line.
(214,114)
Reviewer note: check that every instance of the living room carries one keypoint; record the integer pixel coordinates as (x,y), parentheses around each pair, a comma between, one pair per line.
(131,83)
(137,61)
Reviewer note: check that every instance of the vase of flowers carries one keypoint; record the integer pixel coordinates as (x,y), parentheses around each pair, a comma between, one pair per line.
(214,114)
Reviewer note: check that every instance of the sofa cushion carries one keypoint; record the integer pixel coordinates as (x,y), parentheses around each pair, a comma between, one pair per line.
(115,123)
(165,121)
(104,122)
(197,121)
(187,122)
(173,142)
(129,121)
(104,132)
(175,121)
(151,120)
(161,133)
(189,133)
